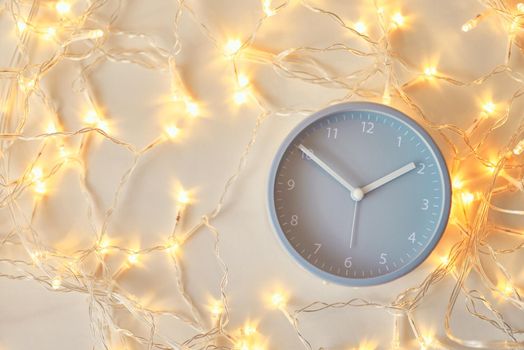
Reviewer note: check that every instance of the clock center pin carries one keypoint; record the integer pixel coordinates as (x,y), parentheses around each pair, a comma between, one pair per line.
(357,194)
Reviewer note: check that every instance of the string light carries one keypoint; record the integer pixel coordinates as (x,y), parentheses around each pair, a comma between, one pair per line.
(62,7)
(398,19)
(361,27)
(285,62)
(232,47)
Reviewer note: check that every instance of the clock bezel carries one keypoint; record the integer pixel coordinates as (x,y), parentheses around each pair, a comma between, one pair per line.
(444,174)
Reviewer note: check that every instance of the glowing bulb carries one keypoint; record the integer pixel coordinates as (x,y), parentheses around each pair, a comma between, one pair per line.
(91,117)
(507,289)
(173,247)
(360,27)
(278,300)
(51,128)
(249,330)
(183,197)
(520,7)
(26,84)
(56,283)
(133,258)
(172,131)
(62,7)
(232,47)
(37,173)
(489,107)
(240,97)
(266,5)
(519,148)
(242,80)
(444,260)
(22,26)
(95,34)
(467,197)
(192,108)
(430,72)
(398,19)
(40,187)
(63,152)
(427,340)
(216,309)
(457,183)
(103,246)
(50,33)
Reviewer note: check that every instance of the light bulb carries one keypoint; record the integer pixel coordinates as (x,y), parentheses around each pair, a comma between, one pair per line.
(232,47)
(62,7)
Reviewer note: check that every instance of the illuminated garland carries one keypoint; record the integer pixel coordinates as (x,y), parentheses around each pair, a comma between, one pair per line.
(74,273)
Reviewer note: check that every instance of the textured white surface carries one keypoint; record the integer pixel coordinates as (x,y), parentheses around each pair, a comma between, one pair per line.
(136,101)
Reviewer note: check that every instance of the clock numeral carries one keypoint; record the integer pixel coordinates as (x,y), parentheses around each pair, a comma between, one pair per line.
(421,170)
(383,259)
(399,139)
(290,184)
(367,127)
(294,220)
(332,133)
(412,237)
(348,262)
(425,204)
(318,246)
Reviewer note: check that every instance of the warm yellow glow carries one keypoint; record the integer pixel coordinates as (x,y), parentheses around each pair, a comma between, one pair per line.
(56,283)
(430,72)
(232,47)
(103,245)
(249,329)
(192,108)
(361,27)
(64,153)
(62,7)
(183,197)
(467,197)
(93,119)
(266,6)
(444,259)
(489,107)
(519,148)
(26,84)
(398,19)
(173,247)
(95,34)
(243,80)
(426,341)
(172,131)
(39,185)
(457,183)
(133,258)
(278,300)
(22,26)
(506,288)
(51,128)
(50,33)
(520,7)
(240,97)
(216,309)
(469,25)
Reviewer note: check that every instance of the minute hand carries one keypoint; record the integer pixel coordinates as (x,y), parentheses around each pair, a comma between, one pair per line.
(389,177)
(326,168)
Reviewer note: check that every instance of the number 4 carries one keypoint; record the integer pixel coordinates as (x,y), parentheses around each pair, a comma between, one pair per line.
(412,237)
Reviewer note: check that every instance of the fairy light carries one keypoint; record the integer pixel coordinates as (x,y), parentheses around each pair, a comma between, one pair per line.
(278,300)
(56,283)
(192,108)
(240,97)
(50,33)
(489,107)
(398,19)
(92,118)
(172,131)
(22,26)
(520,7)
(216,308)
(266,6)
(430,72)
(63,7)
(242,80)
(103,246)
(133,258)
(467,197)
(457,183)
(183,197)
(232,47)
(519,148)
(360,27)
(173,247)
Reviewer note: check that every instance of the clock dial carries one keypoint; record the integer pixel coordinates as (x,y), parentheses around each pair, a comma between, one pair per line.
(359,194)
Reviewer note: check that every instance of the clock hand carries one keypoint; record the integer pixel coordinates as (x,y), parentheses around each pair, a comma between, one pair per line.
(389,177)
(351,237)
(356,193)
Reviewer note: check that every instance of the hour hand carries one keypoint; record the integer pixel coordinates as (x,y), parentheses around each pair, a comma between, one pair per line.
(356,193)
(389,177)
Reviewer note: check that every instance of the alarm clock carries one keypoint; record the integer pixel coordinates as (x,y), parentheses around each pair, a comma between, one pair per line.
(359,194)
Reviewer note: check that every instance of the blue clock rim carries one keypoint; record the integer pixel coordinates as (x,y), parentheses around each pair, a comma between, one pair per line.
(361,106)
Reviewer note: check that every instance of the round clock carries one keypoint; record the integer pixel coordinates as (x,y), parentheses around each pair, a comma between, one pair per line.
(359,194)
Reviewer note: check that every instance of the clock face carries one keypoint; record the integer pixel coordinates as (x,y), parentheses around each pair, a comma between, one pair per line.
(359,194)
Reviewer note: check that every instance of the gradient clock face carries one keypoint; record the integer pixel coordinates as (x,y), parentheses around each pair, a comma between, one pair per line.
(359,194)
